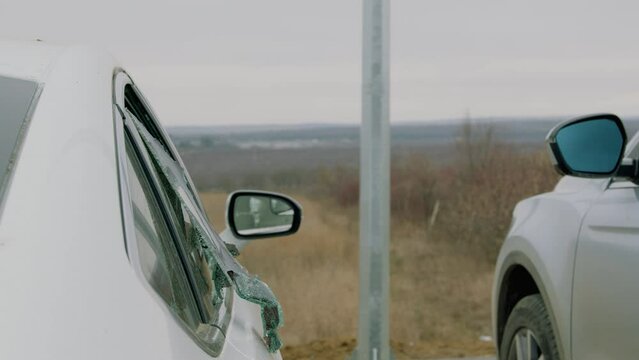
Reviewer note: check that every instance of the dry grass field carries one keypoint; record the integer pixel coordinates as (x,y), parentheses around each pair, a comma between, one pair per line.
(436,295)
(448,222)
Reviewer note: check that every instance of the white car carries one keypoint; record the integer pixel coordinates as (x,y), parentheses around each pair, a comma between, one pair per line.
(105,249)
(567,277)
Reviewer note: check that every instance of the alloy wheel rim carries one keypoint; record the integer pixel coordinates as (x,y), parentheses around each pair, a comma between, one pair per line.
(525,346)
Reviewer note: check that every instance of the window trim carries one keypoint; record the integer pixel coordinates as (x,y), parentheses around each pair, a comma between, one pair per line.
(170,257)
(122,80)
(5,184)
(216,332)
(144,159)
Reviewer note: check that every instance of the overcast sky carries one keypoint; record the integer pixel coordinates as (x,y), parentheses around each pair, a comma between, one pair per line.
(298,61)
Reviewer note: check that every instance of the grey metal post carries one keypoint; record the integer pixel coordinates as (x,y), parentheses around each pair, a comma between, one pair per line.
(373,330)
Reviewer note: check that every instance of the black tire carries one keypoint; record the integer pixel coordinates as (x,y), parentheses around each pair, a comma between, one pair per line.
(529,326)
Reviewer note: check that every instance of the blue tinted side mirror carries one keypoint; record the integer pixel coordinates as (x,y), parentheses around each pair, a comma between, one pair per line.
(591,146)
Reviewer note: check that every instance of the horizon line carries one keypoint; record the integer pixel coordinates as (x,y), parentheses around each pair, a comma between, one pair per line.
(398,122)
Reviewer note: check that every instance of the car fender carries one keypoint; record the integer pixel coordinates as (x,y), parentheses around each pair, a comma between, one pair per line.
(543,239)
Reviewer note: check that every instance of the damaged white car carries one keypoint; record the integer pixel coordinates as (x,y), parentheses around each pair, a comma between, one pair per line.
(105,248)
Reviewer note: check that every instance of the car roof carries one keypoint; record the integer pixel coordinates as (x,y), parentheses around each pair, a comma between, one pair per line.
(31,60)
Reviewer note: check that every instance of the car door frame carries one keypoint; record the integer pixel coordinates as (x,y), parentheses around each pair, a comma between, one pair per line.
(120,82)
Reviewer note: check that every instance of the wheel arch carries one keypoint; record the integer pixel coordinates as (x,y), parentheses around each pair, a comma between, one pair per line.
(519,278)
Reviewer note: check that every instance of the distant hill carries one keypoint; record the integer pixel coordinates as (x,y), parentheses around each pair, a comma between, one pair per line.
(218,154)
(525,131)
(330,135)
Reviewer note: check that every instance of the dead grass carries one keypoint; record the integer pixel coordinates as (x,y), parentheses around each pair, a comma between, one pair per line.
(313,273)
(441,261)
(436,294)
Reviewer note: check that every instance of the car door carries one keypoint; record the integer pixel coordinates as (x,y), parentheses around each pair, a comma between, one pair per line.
(605,315)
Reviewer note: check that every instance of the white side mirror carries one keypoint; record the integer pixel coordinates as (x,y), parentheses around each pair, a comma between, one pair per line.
(254,215)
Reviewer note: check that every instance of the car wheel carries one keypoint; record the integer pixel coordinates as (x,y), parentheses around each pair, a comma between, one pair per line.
(528,334)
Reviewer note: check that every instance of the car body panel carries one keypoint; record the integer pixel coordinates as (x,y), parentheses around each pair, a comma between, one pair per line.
(69,290)
(543,239)
(69,150)
(605,313)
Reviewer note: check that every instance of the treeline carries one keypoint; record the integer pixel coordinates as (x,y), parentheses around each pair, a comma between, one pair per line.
(467,201)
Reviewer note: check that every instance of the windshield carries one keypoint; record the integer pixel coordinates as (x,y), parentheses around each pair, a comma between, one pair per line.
(16,97)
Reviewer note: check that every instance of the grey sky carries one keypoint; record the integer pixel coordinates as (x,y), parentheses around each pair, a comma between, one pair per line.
(297,61)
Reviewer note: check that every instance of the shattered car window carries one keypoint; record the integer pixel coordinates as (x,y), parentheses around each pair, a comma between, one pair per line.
(16,98)
(251,289)
(157,253)
(207,248)
(203,270)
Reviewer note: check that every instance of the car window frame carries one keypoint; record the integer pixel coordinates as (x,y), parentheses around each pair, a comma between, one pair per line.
(124,81)
(220,313)
(145,180)
(214,332)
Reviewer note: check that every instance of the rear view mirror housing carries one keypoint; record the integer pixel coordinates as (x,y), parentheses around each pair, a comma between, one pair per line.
(254,214)
(590,147)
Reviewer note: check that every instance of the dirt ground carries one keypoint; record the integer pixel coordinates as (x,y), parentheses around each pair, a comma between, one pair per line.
(340,349)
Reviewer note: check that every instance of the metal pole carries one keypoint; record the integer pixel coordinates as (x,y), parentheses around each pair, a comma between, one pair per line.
(373,330)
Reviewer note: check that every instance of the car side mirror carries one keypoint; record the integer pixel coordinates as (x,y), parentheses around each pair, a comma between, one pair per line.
(258,214)
(591,146)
